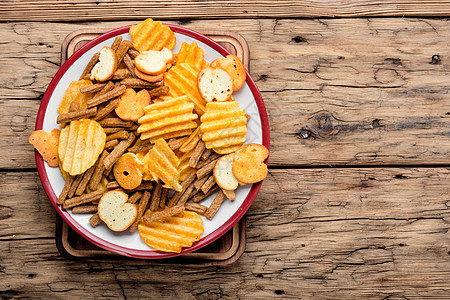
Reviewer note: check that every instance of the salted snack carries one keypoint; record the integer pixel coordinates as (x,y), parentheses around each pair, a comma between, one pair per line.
(223,173)
(224,126)
(193,55)
(168,119)
(172,233)
(248,165)
(128,171)
(106,66)
(131,105)
(115,211)
(234,67)
(80,144)
(152,35)
(73,94)
(47,145)
(154,62)
(214,84)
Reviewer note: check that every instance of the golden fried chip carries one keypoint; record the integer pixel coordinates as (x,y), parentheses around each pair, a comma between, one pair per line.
(163,164)
(80,144)
(193,55)
(191,142)
(151,35)
(224,126)
(73,94)
(167,119)
(184,167)
(174,233)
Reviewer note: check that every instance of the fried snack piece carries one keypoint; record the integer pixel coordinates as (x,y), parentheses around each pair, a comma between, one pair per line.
(248,165)
(184,167)
(182,80)
(128,171)
(166,119)
(80,144)
(73,94)
(191,142)
(224,126)
(151,35)
(192,54)
(131,104)
(234,67)
(163,164)
(115,211)
(173,233)
(47,145)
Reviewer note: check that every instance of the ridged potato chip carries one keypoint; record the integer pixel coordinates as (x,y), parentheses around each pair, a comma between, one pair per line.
(152,35)
(162,163)
(224,126)
(167,119)
(174,233)
(192,54)
(184,167)
(80,144)
(73,94)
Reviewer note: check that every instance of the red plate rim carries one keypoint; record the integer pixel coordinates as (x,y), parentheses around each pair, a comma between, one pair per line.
(147,254)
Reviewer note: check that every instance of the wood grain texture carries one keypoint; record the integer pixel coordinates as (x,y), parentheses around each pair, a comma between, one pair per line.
(324,233)
(89,10)
(335,96)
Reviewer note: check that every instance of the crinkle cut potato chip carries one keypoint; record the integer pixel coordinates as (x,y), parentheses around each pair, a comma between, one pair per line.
(152,35)
(162,163)
(165,119)
(73,94)
(193,55)
(80,144)
(224,126)
(174,233)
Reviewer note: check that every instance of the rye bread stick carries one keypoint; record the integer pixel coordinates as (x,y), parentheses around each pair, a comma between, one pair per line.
(205,170)
(93,88)
(86,178)
(121,135)
(145,186)
(184,185)
(108,87)
(115,122)
(141,209)
(156,197)
(159,91)
(109,145)
(65,190)
(121,74)
(116,43)
(76,115)
(112,185)
(206,154)
(85,209)
(198,151)
(133,53)
(74,186)
(86,198)
(90,65)
(135,197)
(186,195)
(98,172)
(199,182)
(122,50)
(162,215)
(110,130)
(174,143)
(137,83)
(208,184)
(143,147)
(212,157)
(103,112)
(200,196)
(116,92)
(196,207)
(95,220)
(129,63)
(162,201)
(120,149)
(215,205)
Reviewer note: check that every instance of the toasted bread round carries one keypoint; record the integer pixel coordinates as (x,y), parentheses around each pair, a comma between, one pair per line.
(47,145)
(154,62)
(223,173)
(214,84)
(128,171)
(106,66)
(248,165)
(114,210)
(234,67)
(131,104)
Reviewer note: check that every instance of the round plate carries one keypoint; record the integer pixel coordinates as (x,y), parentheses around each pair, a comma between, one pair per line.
(127,243)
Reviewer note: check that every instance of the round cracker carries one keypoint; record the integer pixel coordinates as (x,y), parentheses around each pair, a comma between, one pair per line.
(128,171)
(249,166)
(234,67)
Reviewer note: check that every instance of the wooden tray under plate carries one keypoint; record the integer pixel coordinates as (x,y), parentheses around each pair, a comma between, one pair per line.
(224,250)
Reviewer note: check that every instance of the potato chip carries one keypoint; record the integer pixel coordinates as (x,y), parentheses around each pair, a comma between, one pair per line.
(73,94)
(174,233)
(167,119)
(193,55)
(80,144)
(191,142)
(151,35)
(224,126)
(184,167)
(182,80)
(163,164)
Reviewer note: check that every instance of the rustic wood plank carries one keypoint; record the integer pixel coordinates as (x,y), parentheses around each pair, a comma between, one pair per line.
(89,10)
(334,96)
(312,233)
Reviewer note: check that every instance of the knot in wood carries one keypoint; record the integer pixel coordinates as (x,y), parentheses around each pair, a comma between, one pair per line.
(435,59)
(326,124)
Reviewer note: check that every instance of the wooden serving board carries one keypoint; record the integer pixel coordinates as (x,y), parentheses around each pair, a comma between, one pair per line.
(224,250)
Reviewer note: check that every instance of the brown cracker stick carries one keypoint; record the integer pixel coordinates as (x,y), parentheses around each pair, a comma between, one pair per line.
(95,220)
(205,170)
(121,135)
(121,74)
(208,184)
(206,154)
(116,43)
(200,196)
(90,65)
(133,53)
(141,208)
(120,149)
(110,130)
(174,143)
(112,185)
(185,184)
(212,157)
(145,186)
(137,83)
(162,202)
(122,50)
(86,178)
(111,144)
(98,172)
(186,195)
(86,198)
(115,122)
(103,112)
(135,197)
(215,205)
(129,63)
(143,147)
(196,207)
(74,185)
(159,91)
(116,92)
(85,209)
(108,87)
(76,115)
(65,190)
(156,197)
(198,151)
(199,182)
(162,215)
(93,88)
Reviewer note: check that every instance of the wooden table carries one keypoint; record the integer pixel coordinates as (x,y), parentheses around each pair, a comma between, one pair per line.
(356,203)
